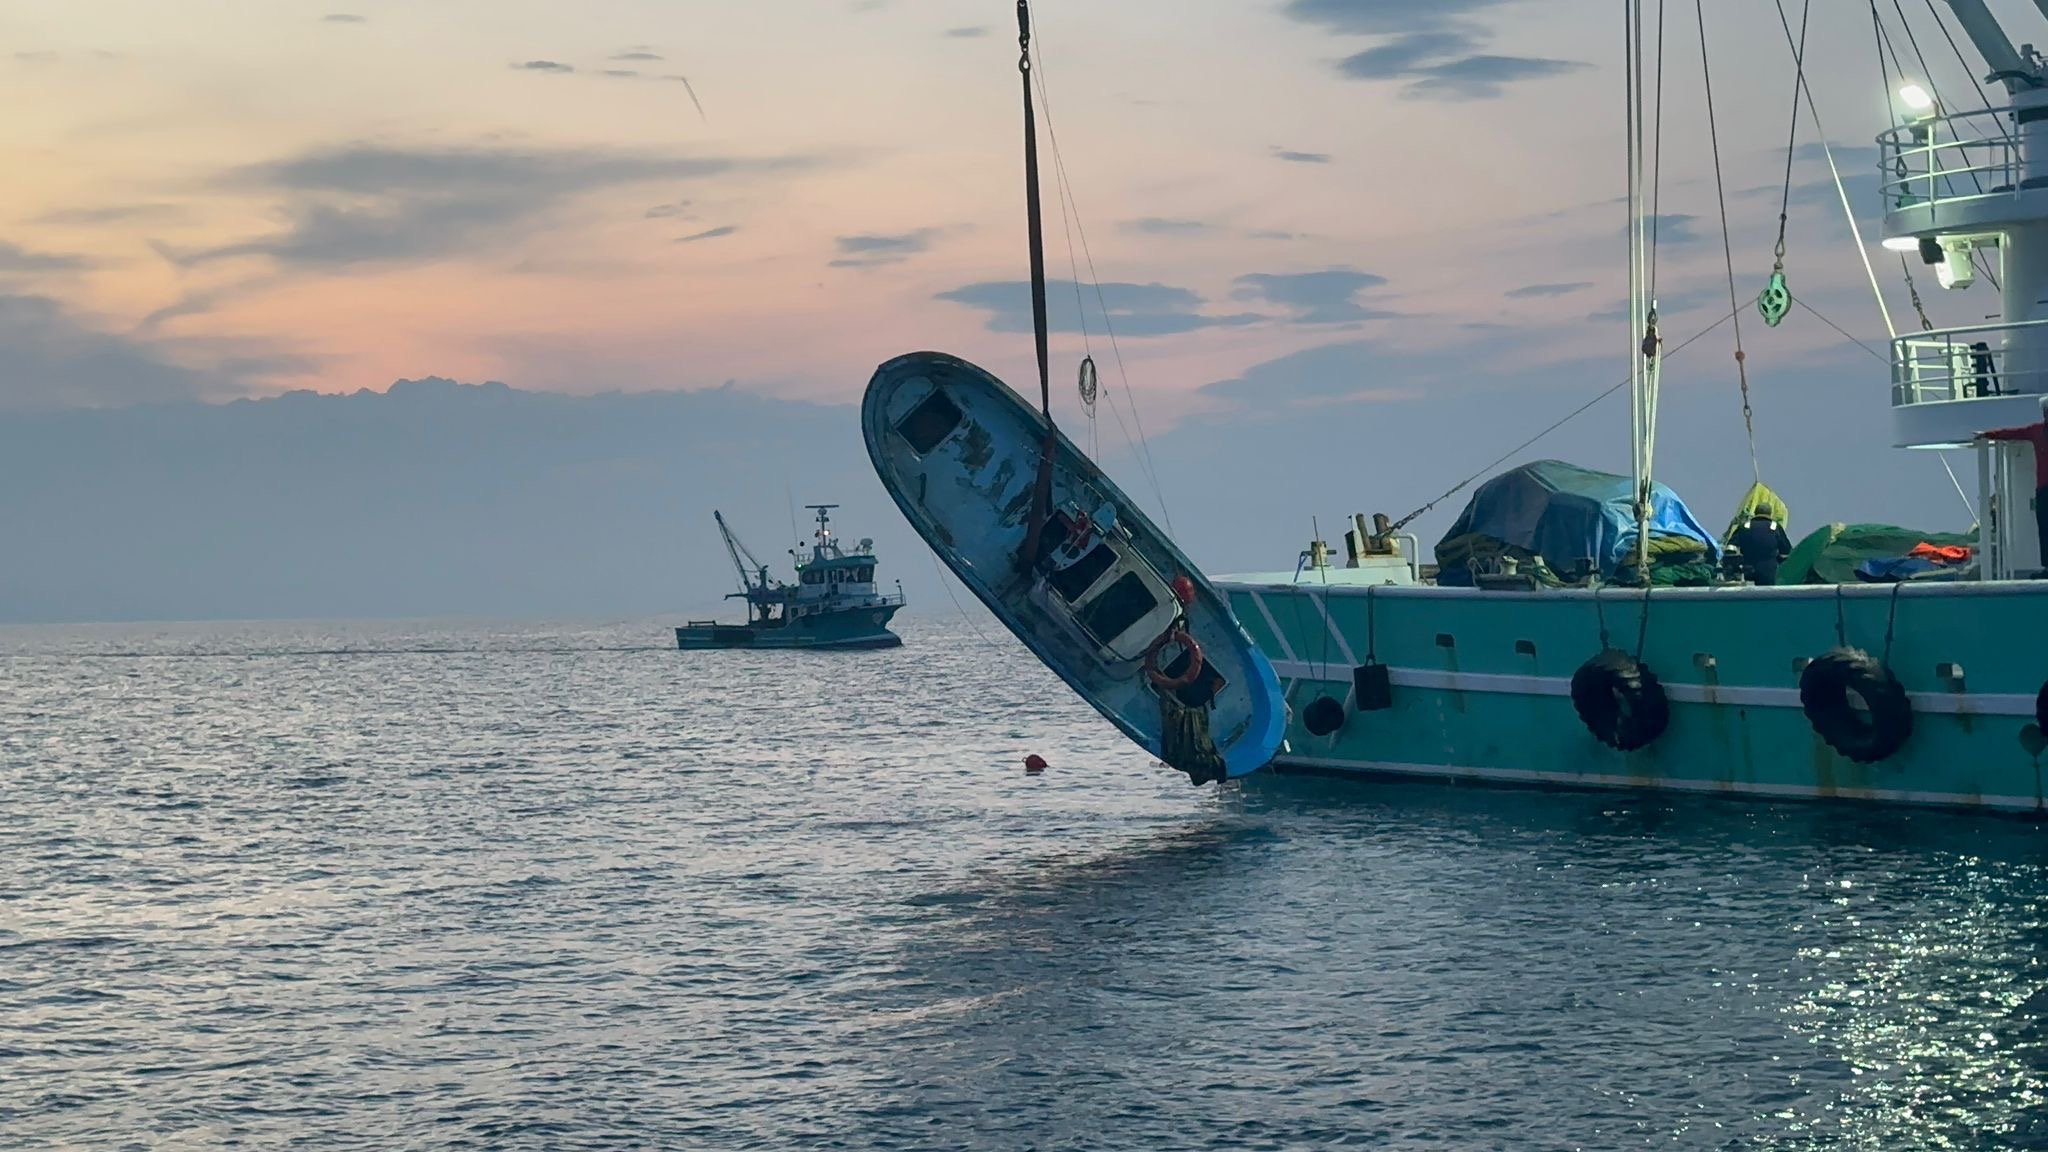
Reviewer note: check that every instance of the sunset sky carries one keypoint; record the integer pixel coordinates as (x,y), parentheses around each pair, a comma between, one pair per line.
(219,199)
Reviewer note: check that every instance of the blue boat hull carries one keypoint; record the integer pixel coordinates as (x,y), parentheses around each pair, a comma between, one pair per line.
(961,469)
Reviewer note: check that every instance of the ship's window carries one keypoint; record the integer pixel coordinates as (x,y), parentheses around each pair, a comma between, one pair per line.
(1123,604)
(1075,578)
(865,576)
(931,421)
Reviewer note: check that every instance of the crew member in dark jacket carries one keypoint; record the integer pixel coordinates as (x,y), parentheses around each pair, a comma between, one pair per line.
(1763,546)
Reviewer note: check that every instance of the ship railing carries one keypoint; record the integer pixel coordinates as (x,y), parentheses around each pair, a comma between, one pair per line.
(1964,363)
(1951,159)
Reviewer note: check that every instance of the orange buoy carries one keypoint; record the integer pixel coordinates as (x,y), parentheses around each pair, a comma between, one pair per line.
(1183,589)
(1034,764)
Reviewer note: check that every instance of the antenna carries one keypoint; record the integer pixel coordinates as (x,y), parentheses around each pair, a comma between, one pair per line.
(796,536)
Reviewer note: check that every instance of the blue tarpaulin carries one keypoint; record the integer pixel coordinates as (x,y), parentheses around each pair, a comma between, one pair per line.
(1566,514)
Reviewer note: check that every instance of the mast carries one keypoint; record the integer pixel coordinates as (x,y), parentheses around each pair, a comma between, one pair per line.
(1041,488)
(1641,310)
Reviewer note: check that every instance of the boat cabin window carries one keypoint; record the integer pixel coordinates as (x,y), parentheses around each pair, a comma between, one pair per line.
(931,421)
(1121,605)
(864,576)
(813,576)
(1075,578)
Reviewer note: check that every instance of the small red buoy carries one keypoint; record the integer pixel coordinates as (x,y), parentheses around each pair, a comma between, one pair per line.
(1034,764)
(1184,589)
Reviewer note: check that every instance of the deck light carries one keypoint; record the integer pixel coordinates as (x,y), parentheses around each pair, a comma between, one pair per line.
(1916,98)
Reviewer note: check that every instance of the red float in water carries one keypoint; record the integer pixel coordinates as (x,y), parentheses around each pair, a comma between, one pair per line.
(1034,764)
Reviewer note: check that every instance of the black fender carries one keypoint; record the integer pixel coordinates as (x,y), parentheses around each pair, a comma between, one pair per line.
(1324,715)
(1620,700)
(1863,736)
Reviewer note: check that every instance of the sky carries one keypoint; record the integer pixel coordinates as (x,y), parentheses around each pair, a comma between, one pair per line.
(1308,218)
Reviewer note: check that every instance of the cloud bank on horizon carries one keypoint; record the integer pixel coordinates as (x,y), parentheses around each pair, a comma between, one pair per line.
(1305,214)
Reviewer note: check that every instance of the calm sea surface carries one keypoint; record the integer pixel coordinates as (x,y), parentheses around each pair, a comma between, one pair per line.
(469,886)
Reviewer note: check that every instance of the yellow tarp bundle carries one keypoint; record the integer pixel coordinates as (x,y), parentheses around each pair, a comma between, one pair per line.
(1759,499)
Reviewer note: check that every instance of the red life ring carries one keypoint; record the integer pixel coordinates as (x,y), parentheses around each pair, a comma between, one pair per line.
(1175,635)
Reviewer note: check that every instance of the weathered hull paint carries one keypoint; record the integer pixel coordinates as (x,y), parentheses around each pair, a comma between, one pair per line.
(1481,685)
(969,495)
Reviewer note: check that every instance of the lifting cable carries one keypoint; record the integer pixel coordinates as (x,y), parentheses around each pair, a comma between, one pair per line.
(1141,446)
(1727,246)
(1776,298)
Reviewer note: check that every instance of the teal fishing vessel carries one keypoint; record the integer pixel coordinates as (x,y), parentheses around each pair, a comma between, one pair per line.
(1579,629)
(833,604)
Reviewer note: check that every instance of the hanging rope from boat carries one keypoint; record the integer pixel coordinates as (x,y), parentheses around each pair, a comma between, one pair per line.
(1776,298)
(1841,193)
(1141,446)
(1727,245)
(1041,490)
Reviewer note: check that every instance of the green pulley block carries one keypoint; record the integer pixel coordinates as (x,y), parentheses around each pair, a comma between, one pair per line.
(1775,300)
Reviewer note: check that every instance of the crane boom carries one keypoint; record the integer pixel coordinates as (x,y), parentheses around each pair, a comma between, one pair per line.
(735,549)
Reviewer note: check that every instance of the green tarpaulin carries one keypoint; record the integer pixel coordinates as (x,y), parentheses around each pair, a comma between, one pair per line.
(1830,554)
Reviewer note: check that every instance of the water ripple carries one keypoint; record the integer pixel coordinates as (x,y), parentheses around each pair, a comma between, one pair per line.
(500,886)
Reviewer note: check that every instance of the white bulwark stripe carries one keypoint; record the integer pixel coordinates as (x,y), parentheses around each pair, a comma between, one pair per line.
(1959,703)
(1597,780)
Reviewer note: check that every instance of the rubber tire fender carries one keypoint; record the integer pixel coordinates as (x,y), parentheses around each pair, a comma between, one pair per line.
(1323,716)
(1620,700)
(1824,689)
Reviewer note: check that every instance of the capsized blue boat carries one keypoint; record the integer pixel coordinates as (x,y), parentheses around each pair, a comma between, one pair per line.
(1108,603)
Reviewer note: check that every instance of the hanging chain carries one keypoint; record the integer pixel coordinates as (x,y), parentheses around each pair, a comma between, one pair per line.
(1913,293)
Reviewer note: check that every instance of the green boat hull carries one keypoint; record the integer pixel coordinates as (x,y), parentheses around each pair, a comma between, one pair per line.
(1481,685)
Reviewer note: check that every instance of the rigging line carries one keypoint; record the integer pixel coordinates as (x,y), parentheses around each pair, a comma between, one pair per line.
(1913,294)
(1657,157)
(1067,229)
(1632,139)
(1843,332)
(1140,451)
(1885,46)
(1727,244)
(1969,507)
(1567,418)
(1968,71)
(1841,193)
(964,617)
(1976,181)
(1143,446)
(1791,138)
(1882,41)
